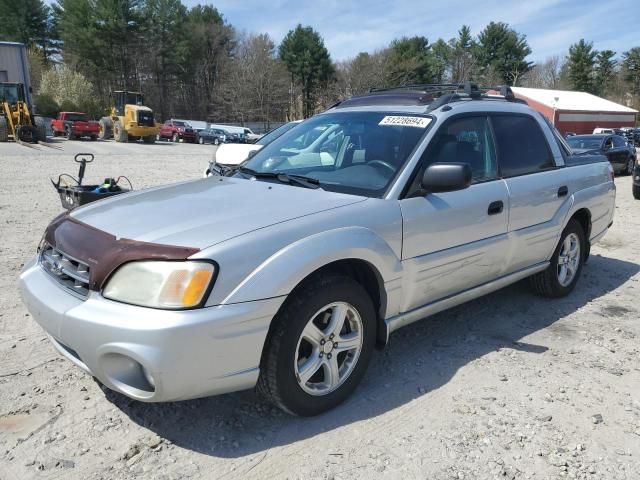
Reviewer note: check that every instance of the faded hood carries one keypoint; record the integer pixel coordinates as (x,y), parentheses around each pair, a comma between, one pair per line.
(204,212)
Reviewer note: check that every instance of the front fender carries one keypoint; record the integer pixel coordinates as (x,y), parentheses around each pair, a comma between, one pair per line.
(279,274)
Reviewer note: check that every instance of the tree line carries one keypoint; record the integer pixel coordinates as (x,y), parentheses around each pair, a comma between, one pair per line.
(191,63)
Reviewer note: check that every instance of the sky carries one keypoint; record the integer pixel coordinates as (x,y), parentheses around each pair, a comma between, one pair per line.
(349,27)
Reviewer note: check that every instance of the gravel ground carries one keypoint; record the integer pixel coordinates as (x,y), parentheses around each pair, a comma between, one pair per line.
(509,386)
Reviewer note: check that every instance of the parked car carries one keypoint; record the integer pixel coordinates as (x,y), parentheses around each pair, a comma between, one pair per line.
(74,125)
(251,137)
(286,275)
(231,155)
(621,155)
(176,130)
(212,135)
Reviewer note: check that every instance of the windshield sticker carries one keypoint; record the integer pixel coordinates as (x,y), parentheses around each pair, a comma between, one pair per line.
(419,122)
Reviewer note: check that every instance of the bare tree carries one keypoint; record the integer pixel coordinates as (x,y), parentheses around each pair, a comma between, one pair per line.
(545,74)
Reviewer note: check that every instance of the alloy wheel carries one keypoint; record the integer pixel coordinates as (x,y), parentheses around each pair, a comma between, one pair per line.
(568,259)
(328,348)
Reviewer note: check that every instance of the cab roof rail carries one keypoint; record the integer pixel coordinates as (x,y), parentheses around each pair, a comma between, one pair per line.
(433,95)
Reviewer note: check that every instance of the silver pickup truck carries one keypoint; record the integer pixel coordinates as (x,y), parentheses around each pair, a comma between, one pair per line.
(288,273)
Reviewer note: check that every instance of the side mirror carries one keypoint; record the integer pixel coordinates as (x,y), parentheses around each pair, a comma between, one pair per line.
(446,177)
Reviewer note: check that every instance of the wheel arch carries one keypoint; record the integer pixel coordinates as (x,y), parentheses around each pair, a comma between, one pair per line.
(583,217)
(367,275)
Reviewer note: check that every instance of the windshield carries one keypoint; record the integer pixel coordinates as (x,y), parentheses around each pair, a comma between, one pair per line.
(75,117)
(584,142)
(178,124)
(275,133)
(349,152)
(9,93)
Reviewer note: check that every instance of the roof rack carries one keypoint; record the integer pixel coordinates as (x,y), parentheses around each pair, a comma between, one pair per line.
(434,95)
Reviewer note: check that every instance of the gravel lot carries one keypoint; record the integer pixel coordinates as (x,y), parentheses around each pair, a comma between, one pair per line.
(510,386)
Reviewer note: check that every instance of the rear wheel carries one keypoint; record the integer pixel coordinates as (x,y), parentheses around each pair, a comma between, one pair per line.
(201,140)
(106,128)
(560,278)
(119,133)
(175,138)
(216,141)
(636,192)
(631,165)
(68,133)
(319,346)
(4,130)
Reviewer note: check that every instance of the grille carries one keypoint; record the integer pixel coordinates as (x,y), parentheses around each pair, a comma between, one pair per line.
(145,118)
(68,272)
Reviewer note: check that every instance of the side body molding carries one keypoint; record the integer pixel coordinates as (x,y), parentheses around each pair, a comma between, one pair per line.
(281,272)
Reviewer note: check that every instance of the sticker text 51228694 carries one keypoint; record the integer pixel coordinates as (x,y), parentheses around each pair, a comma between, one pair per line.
(402,121)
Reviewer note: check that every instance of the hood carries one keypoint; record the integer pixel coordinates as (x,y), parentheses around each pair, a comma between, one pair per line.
(204,212)
(234,153)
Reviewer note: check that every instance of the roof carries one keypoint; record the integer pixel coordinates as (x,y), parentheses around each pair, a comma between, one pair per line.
(568,100)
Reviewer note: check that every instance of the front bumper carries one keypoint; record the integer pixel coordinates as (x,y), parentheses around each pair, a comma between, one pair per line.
(149,354)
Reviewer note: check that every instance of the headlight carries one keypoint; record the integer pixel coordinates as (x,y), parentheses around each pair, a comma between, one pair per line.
(159,284)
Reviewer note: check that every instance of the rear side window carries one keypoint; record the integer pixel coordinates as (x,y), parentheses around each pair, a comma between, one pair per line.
(522,147)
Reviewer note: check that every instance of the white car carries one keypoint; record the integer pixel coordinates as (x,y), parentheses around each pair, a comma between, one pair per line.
(602,131)
(229,155)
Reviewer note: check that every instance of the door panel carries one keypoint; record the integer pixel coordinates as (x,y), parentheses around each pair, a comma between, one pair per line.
(451,243)
(533,223)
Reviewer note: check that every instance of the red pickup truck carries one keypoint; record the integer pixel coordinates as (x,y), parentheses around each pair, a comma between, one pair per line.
(74,125)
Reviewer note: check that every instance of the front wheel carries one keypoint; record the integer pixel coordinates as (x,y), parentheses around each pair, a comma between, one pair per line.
(216,141)
(175,138)
(319,346)
(201,140)
(560,278)
(636,192)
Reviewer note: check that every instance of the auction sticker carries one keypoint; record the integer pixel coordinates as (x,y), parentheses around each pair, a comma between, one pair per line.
(419,122)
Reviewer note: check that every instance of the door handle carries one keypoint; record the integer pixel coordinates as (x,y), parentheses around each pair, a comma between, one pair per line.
(495,207)
(563,191)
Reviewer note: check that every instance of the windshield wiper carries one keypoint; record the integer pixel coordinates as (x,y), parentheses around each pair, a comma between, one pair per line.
(301,180)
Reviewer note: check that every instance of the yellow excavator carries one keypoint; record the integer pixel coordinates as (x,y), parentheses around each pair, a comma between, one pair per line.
(16,121)
(129,119)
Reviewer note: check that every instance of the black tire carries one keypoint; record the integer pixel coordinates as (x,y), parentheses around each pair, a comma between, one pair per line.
(119,133)
(175,138)
(631,163)
(106,128)
(546,283)
(41,127)
(636,191)
(216,141)
(201,140)
(67,133)
(277,381)
(4,130)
